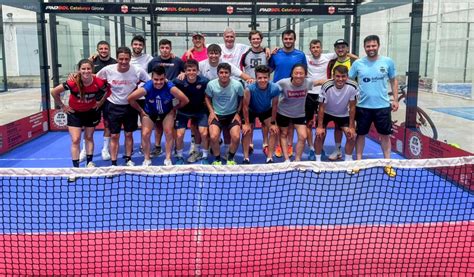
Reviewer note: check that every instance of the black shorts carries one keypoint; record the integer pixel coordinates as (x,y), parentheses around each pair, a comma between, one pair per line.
(119,115)
(311,106)
(338,121)
(382,119)
(284,121)
(261,116)
(225,121)
(158,117)
(90,118)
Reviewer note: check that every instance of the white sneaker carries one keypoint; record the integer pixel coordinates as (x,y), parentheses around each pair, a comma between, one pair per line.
(90,165)
(130,163)
(71,178)
(82,155)
(167,162)
(336,155)
(146,163)
(105,154)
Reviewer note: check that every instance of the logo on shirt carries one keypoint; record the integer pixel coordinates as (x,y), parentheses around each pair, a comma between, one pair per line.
(198,86)
(383,70)
(366,80)
(296,93)
(255,62)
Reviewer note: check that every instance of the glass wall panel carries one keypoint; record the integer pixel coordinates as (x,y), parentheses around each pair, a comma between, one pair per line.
(20,42)
(447,55)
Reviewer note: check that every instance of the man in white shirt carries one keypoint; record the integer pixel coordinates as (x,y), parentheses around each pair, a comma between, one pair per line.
(338,100)
(317,71)
(232,51)
(123,79)
(139,58)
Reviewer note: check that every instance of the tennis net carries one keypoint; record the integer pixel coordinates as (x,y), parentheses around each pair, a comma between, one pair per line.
(281,219)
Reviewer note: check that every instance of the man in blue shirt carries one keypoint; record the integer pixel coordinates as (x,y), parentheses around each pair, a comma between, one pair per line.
(285,58)
(260,100)
(223,100)
(373,72)
(194,87)
(282,62)
(159,95)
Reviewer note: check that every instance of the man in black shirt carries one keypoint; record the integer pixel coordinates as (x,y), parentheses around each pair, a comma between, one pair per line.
(102,58)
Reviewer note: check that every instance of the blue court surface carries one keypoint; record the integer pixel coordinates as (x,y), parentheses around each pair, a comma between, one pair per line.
(463,112)
(52,150)
(279,219)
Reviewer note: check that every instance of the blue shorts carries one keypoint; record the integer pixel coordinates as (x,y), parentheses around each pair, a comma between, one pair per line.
(382,119)
(201,119)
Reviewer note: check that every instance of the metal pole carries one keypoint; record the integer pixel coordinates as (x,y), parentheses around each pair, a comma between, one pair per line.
(414,62)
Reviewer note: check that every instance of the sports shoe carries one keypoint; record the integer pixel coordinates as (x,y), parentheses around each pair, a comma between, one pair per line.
(130,163)
(205,161)
(146,163)
(312,155)
(216,163)
(167,162)
(231,162)
(192,148)
(245,161)
(179,160)
(278,152)
(156,151)
(71,178)
(290,151)
(82,155)
(265,150)
(194,156)
(250,149)
(90,164)
(105,154)
(336,155)
(287,161)
(269,161)
(390,171)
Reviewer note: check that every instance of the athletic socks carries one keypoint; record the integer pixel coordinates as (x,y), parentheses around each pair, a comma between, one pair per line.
(75,163)
(318,158)
(231,156)
(106,143)
(88,159)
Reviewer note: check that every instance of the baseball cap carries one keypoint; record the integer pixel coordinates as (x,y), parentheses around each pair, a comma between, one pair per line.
(197,34)
(340,41)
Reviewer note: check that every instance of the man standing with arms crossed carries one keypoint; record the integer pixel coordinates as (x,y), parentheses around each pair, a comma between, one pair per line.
(373,72)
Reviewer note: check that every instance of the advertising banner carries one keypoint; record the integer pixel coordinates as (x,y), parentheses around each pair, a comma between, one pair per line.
(22,130)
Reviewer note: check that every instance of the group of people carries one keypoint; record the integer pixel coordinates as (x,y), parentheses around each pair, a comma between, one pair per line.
(221,90)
